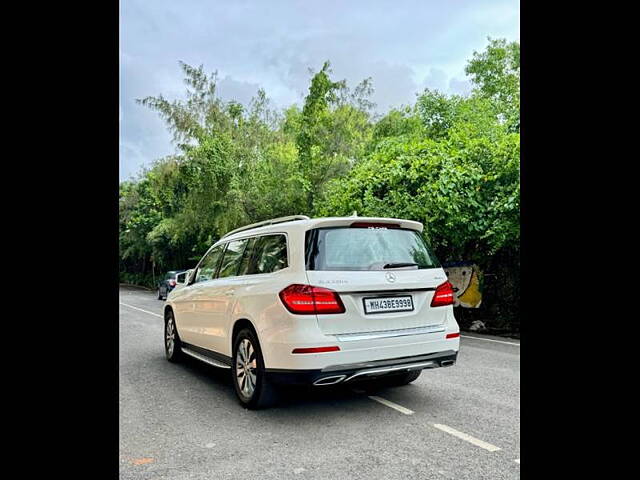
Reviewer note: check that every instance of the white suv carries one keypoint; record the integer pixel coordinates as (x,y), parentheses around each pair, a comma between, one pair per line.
(319,301)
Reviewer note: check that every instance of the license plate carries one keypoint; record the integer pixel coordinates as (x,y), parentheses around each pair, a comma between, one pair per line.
(388,304)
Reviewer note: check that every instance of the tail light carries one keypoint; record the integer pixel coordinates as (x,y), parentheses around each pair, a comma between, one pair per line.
(308,300)
(443,295)
(172,282)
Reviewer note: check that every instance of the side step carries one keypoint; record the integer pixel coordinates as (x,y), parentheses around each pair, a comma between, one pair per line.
(204,359)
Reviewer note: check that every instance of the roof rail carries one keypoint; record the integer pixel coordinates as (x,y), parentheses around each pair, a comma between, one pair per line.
(273,221)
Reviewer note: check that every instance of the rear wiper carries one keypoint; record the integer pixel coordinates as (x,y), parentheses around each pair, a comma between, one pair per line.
(400,264)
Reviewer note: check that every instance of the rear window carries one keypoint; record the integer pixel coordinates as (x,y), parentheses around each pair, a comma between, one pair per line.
(346,248)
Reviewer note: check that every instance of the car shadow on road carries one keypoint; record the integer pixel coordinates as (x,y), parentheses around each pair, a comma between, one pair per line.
(299,399)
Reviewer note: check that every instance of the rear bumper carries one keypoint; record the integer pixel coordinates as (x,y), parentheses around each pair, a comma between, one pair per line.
(278,354)
(348,373)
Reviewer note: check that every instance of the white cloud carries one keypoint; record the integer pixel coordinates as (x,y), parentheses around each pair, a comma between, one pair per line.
(402,46)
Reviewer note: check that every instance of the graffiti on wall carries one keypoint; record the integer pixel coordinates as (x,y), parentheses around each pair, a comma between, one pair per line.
(464,277)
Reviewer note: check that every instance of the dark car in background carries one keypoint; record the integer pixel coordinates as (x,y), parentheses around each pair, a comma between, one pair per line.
(168,284)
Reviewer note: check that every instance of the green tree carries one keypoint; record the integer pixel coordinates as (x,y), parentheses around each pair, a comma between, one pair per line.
(451,162)
(332,131)
(496,74)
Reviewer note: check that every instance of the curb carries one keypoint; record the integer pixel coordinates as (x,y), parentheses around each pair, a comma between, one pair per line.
(135,286)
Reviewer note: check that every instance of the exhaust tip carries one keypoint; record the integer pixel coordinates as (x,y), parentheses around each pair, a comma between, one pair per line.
(329,380)
(447,363)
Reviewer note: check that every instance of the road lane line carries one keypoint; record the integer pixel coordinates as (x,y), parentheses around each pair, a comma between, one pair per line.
(136,308)
(491,340)
(390,404)
(468,438)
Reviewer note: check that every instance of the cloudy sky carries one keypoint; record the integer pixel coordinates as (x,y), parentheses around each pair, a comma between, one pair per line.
(403,45)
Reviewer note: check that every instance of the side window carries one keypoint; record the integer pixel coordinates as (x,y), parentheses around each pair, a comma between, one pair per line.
(270,254)
(232,257)
(247,256)
(207,268)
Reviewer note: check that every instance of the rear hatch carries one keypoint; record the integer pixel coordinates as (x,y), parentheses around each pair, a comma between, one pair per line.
(386,277)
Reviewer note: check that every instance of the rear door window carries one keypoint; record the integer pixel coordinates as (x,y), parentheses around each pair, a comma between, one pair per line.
(232,258)
(247,257)
(269,254)
(346,248)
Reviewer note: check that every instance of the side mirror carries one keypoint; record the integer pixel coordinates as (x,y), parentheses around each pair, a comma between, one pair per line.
(187,277)
(181,278)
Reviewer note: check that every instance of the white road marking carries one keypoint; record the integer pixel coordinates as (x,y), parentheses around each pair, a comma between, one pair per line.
(517,460)
(395,406)
(468,438)
(491,340)
(136,308)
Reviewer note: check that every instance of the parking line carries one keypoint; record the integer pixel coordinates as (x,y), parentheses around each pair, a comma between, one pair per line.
(395,406)
(468,438)
(491,340)
(136,308)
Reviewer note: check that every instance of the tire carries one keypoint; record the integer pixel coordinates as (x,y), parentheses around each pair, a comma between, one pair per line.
(172,343)
(250,382)
(159,296)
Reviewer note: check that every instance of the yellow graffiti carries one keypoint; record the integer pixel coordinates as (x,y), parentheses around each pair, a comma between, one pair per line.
(471,297)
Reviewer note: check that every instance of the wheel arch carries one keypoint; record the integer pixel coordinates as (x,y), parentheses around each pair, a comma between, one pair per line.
(238,325)
(167,309)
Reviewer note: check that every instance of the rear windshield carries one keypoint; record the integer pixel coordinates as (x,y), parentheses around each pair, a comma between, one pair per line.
(346,248)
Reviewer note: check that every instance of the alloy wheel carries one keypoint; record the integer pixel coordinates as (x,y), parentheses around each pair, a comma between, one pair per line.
(170,336)
(246,368)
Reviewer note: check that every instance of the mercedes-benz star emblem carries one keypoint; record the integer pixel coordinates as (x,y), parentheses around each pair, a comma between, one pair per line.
(391,277)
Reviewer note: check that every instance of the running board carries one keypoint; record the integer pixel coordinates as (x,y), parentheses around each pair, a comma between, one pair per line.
(204,359)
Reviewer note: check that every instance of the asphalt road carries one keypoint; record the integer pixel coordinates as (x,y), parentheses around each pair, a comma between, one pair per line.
(182,421)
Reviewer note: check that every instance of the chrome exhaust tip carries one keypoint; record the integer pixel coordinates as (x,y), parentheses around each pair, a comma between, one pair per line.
(329,380)
(447,363)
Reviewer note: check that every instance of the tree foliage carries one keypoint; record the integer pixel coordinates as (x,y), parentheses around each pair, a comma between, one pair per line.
(451,162)
(496,74)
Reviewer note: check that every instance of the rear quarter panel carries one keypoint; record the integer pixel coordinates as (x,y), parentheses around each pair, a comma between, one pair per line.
(258,301)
